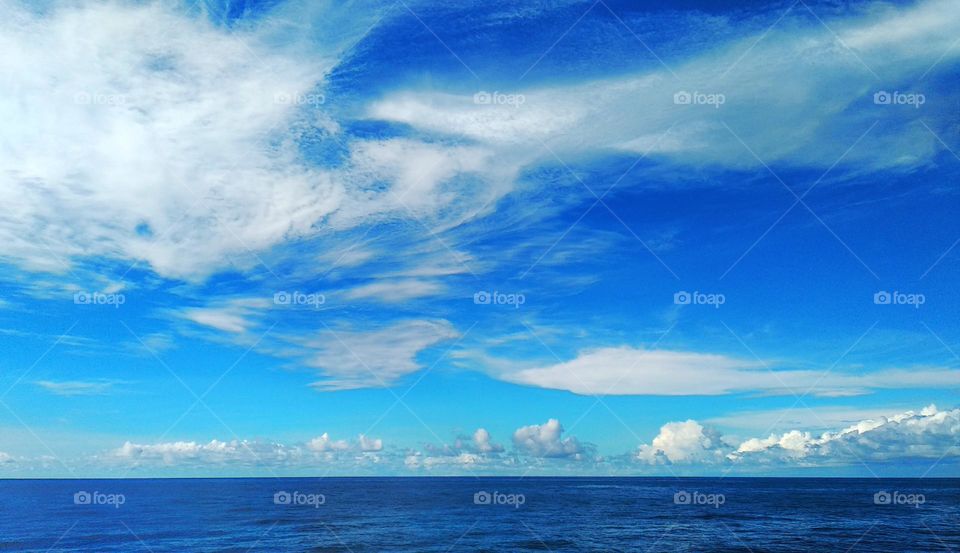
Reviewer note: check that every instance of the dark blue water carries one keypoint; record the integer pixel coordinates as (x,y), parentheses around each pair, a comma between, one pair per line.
(487,514)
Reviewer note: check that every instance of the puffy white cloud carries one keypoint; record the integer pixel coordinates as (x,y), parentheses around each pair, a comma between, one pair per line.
(483,442)
(683,442)
(544,440)
(370,444)
(5,458)
(324,443)
(320,449)
(929,434)
(626,370)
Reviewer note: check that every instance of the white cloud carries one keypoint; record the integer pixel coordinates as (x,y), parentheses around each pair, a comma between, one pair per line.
(324,443)
(235,316)
(483,442)
(356,359)
(76,387)
(544,440)
(799,78)
(683,442)
(205,122)
(626,370)
(151,104)
(397,290)
(929,434)
(369,444)
(216,452)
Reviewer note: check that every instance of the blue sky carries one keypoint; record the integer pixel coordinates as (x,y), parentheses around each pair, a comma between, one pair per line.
(473,238)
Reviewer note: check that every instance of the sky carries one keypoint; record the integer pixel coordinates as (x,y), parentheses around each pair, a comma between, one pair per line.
(428,238)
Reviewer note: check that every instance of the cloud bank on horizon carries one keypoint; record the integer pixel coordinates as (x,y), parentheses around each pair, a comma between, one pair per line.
(419,221)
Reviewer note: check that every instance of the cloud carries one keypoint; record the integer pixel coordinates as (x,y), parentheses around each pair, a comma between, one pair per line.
(5,458)
(395,290)
(216,452)
(683,442)
(799,77)
(76,387)
(356,359)
(235,316)
(324,443)
(483,442)
(370,444)
(544,440)
(626,371)
(208,123)
(929,434)
(474,452)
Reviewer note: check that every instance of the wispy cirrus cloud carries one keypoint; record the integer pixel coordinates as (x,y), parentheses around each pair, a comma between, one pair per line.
(77,387)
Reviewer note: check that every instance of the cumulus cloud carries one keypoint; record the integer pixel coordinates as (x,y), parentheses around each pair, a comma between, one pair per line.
(216,452)
(476,451)
(369,444)
(483,442)
(929,434)
(324,443)
(544,440)
(626,370)
(683,442)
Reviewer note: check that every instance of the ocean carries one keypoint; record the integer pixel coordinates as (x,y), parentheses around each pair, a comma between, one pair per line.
(481,514)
